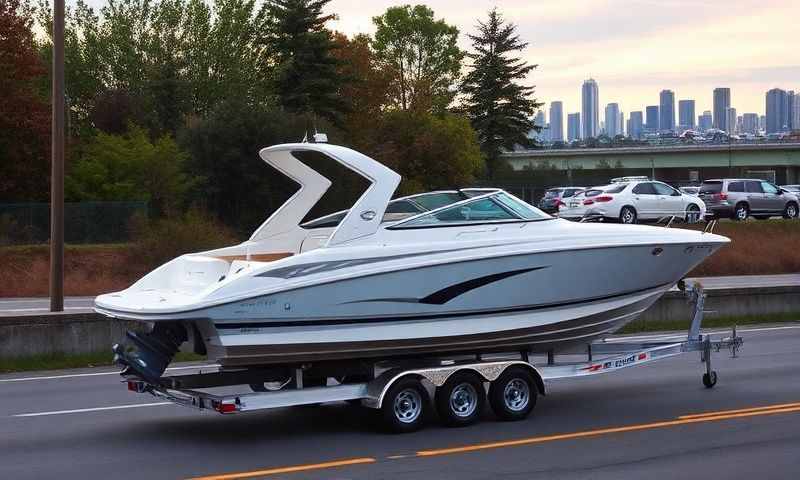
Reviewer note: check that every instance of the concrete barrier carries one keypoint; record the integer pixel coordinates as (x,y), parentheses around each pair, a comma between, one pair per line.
(72,333)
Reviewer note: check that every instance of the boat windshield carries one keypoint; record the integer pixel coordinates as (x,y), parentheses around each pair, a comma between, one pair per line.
(499,207)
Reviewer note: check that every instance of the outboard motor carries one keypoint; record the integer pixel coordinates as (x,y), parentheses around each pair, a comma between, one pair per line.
(147,354)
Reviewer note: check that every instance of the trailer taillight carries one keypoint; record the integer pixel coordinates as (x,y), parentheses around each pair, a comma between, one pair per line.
(225,407)
(136,386)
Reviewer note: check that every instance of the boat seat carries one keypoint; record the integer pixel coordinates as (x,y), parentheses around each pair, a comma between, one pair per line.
(197,272)
(256,257)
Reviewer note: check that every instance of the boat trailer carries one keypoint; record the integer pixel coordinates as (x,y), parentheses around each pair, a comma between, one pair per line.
(400,389)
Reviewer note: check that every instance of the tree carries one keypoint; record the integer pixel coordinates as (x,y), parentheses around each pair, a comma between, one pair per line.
(131,167)
(430,151)
(24,114)
(422,56)
(298,57)
(364,89)
(500,108)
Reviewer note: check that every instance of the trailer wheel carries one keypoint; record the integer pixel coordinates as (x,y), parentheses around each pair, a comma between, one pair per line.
(710,379)
(460,401)
(513,394)
(403,407)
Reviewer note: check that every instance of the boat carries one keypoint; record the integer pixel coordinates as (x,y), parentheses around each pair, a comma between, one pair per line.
(451,271)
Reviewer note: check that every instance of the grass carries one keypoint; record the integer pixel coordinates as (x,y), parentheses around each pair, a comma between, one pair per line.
(640,326)
(758,247)
(61,360)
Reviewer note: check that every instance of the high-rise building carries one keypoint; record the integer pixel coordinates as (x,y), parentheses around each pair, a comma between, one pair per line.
(791,101)
(573,127)
(635,125)
(795,113)
(777,111)
(557,121)
(651,117)
(590,108)
(750,123)
(540,122)
(705,121)
(762,123)
(666,111)
(686,114)
(612,120)
(730,120)
(621,123)
(722,101)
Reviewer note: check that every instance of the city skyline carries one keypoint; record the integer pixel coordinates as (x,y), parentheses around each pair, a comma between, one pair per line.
(570,40)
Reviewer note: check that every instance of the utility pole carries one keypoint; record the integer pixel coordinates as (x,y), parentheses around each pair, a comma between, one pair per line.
(57,170)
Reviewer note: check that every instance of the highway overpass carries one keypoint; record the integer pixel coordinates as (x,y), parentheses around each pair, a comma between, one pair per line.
(534,170)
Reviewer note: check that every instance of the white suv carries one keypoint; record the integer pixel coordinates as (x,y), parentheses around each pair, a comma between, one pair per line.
(633,199)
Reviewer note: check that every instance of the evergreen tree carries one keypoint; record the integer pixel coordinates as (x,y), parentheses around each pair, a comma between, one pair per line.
(499,107)
(299,57)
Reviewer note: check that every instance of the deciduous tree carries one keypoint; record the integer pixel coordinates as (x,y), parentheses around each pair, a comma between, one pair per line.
(24,114)
(421,55)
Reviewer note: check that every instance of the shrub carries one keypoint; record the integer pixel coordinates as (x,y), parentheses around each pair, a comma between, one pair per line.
(157,241)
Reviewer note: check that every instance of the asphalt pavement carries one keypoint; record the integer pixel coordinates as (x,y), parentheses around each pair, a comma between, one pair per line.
(653,421)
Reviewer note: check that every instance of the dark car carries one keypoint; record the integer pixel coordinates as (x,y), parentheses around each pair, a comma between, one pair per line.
(739,198)
(554,197)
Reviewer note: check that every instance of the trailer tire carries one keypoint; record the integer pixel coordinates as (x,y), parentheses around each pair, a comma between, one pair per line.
(512,395)
(461,400)
(404,406)
(709,380)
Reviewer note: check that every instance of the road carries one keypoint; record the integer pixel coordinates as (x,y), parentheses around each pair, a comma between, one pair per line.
(625,425)
(32,306)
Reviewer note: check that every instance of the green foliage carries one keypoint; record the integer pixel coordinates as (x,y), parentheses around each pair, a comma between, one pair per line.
(131,167)
(240,188)
(430,151)
(299,57)
(158,241)
(499,107)
(422,56)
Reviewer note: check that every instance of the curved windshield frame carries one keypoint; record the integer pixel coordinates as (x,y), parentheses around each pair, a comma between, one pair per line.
(496,207)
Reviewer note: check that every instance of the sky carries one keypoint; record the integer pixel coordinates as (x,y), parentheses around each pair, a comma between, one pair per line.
(632,48)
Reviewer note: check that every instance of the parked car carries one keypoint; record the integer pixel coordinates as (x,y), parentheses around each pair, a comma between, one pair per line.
(793,189)
(739,198)
(690,190)
(634,199)
(554,197)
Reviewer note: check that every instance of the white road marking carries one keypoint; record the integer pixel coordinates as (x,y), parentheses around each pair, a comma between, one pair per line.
(115,372)
(95,409)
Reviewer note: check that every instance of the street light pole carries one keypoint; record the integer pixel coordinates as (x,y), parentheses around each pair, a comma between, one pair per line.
(57,164)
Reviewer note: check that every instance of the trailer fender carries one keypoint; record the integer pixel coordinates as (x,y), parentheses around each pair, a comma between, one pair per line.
(437,376)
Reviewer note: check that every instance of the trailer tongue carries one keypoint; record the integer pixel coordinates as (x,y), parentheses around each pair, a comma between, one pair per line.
(400,388)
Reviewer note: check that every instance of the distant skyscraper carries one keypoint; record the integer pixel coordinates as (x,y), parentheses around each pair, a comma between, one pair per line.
(635,125)
(722,101)
(573,127)
(557,121)
(791,101)
(762,123)
(651,115)
(777,111)
(730,120)
(612,120)
(590,108)
(795,113)
(686,114)
(540,122)
(750,123)
(621,123)
(705,121)
(666,111)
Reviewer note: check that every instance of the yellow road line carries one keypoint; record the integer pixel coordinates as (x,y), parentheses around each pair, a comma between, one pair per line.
(741,410)
(598,432)
(682,420)
(292,469)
